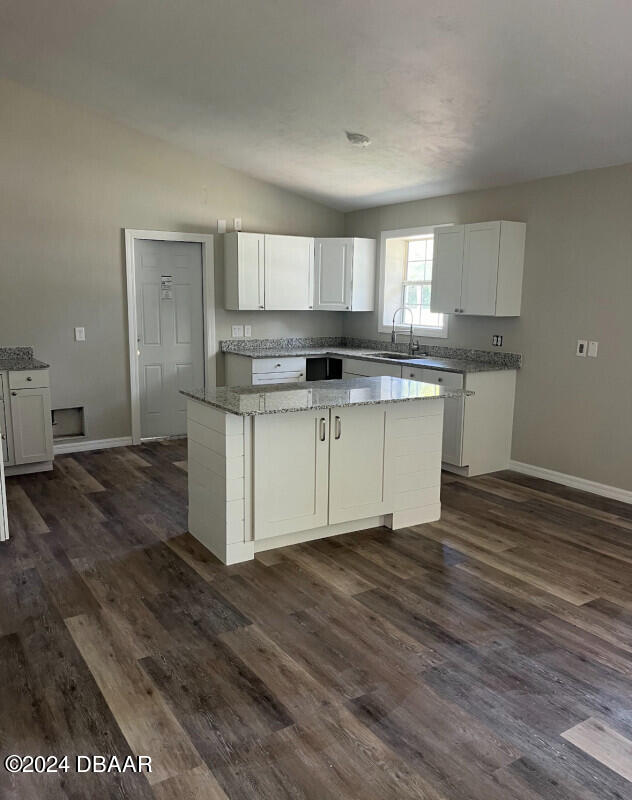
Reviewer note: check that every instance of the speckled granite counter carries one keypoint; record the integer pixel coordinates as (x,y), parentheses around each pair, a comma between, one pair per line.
(19,358)
(248,401)
(437,357)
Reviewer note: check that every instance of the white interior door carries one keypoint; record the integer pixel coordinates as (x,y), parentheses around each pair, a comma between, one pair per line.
(169,308)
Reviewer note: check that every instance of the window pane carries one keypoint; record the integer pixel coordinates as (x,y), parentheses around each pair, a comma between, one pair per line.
(430,248)
(416,271)
(417,250)
(428,271)
(425,296)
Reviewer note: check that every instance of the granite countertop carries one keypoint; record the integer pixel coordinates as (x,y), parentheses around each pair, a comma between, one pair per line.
(461,363)
(19,358)
(248,401)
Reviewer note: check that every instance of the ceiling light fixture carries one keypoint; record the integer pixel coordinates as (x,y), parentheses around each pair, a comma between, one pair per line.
(358,139)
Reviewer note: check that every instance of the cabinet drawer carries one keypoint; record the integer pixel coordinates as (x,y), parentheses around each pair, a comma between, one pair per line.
(262,378)
(451,380)
(293,364)
(369,369)
(29,379)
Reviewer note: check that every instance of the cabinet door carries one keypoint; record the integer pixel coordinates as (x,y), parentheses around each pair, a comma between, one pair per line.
(250,270)
(333,263)
(453,410)
(3,433)
(289,272)
(31,423)
(447,268)
(480,268)
(290,468)
(356,463)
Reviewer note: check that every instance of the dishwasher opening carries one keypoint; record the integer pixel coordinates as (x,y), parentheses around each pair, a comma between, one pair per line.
(323,369)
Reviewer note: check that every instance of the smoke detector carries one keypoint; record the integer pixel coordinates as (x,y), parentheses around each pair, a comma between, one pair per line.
(358,139)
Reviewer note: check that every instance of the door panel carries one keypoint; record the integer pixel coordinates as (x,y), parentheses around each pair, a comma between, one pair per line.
(290,468)
(447,268)
(32,425)
(333,261)
(289,272)
(356,463)
(171,331)
(480,268)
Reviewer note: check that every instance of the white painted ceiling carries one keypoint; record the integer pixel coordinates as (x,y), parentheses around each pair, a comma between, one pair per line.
(455,94)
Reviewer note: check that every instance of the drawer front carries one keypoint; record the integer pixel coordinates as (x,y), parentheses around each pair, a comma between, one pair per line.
(369,369)
(451,380)
(277,377)
(29,379)
(293,364)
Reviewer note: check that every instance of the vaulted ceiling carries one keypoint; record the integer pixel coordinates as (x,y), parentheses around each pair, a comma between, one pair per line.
(454,94)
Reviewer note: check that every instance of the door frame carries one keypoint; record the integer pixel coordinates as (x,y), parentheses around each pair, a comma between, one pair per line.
(208,310)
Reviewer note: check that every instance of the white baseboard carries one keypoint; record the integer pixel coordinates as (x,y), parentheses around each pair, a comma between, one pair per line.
(603,489)
(80,445)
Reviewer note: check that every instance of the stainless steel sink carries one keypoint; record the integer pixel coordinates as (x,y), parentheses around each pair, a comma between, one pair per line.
(398,356)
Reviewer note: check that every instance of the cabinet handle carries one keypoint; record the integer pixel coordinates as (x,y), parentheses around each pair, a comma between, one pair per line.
(439,380)
(277,365)
(461,310)
(29,378)
(260,306)
(15,394)
(323,431)
(338,430)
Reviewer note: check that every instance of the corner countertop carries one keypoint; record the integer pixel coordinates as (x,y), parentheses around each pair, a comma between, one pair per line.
(19,358)
(249,401)
(461,365)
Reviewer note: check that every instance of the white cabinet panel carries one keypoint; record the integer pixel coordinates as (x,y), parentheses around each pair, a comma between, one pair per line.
(31,423)
(333,259)
(244,271)
(447,269)
(291,472)
(356,463)
(289,272)
(480,269)
(369,369)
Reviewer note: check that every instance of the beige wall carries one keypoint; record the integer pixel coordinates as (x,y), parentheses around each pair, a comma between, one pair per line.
(70,182)
(572,414)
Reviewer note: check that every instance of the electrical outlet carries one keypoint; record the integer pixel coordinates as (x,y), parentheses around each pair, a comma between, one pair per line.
(221,226)
(497,340)
(237,224)
(247,330)
(582,345)
(80,334)
(593,348)
(238,331)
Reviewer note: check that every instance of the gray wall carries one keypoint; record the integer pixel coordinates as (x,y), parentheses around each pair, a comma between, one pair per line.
(572,414)
(71,181)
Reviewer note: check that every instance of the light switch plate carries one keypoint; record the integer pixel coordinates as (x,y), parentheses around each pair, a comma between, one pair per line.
(237,224)
(238,331)
(247,330)
(582,346)
(80,334)
(593,349)
(221,226)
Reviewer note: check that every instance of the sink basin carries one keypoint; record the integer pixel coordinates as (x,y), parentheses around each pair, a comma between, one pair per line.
(398,356)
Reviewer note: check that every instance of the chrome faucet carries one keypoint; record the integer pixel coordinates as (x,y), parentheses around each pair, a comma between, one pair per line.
(413,346)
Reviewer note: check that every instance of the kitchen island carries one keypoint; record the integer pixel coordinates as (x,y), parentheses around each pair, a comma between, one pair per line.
(275,465)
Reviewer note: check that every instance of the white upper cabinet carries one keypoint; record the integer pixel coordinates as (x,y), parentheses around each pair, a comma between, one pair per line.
(244,271)
(477,269)
(344,274)
(289,272)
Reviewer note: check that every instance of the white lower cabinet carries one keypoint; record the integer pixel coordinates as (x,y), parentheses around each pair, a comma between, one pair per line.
(356,463)
(246,371)
(25,420)
(32,427)
(291,454)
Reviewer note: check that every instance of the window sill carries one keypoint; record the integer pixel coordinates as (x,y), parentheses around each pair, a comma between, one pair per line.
(434,333)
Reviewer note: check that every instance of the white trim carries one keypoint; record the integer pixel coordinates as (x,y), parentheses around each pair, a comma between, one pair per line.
(603,489)
(80,445)
(208,290)
(4,524)
(403,233)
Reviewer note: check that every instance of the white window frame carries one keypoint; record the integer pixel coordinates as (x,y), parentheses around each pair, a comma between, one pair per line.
(383,326)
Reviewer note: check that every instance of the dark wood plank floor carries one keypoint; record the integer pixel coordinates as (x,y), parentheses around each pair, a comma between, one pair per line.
(486,656)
